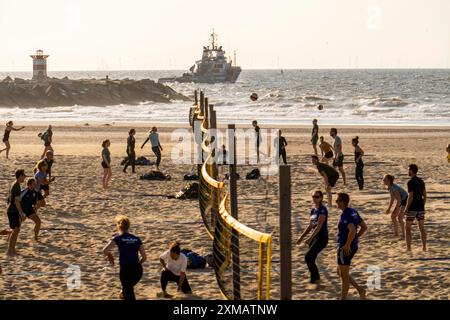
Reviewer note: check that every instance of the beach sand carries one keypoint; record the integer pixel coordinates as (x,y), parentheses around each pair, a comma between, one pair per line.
(79,218)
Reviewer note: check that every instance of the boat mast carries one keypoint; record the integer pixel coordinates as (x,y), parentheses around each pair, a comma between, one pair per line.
(213,40)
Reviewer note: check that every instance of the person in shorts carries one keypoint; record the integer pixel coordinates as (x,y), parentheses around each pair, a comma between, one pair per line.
(415,206)
(8,129)
(399,196)
(15,212)
(315,135)
(42,183)
(347,243)
(28,201)
(106,163)
(338,154)
(329,174)
(47,137)
(326,150)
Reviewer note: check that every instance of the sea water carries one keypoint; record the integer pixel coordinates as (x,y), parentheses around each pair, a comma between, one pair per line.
(372,97)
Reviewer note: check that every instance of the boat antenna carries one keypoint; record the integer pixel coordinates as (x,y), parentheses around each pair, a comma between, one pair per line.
(213,40)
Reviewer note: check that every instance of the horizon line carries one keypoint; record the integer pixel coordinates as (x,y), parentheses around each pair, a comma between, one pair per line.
(247,69)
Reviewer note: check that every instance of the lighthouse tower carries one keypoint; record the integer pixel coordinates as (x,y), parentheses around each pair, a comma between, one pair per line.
(39,65)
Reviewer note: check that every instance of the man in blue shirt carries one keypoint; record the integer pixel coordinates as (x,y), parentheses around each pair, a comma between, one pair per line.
(347,241)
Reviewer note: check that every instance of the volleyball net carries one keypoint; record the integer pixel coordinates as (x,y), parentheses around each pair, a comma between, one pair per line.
(242,255)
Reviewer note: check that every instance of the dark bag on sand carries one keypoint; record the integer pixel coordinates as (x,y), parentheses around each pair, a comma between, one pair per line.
(253,175)
(141,161)
(155,175)
(190,176)
(190,191)
(195,261)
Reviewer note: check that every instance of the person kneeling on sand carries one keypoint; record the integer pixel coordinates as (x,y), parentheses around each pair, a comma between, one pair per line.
(129,248)
(174,269)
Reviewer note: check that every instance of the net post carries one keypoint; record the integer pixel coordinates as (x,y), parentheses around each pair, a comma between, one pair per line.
(269,266)
(206,120)
(202,103)
(234,212)
(285,232)
(215,195)
(260,270)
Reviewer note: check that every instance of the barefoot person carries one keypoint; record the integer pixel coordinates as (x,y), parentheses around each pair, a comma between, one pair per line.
(347,239)
(49,161)
(258,138)
(156,146)
(319,237)
(174,270)
(29,198)
(329,174)
(8,129)
(338,154)
(315,135)
(47,136)
(15,212)
(106,163)
(326,150)
(399,196)
(131,153)
(42,183)
(130,265)
(359,153)
(280,145)
(415,206)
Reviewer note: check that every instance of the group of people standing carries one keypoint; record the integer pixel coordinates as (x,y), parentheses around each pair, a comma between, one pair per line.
(350,229)
(351,226)
(153,137)
(25,203)
(335,153)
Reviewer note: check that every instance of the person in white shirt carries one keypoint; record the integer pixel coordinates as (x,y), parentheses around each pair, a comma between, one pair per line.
(156,146)
(174,270)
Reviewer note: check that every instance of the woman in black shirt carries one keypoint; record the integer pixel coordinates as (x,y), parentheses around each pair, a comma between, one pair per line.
(131,142)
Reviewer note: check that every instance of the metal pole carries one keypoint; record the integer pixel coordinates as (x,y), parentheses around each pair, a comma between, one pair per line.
(213,142)
(202,103)
(285,233)
(234,212)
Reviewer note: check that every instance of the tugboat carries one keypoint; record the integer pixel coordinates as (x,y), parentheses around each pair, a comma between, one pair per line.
(214,67)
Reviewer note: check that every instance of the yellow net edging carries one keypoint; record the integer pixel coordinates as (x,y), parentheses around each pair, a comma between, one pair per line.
(220,224)
(261,237)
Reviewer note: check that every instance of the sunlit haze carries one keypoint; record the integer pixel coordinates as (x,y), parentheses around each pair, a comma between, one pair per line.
(143,34)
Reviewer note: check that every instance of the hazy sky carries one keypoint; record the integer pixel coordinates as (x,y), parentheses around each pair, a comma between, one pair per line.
(169,34)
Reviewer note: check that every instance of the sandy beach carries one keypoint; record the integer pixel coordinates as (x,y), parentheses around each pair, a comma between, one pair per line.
(79,218)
